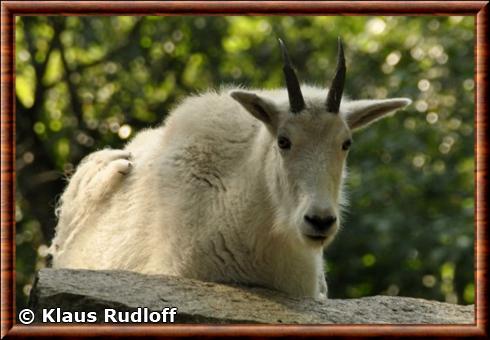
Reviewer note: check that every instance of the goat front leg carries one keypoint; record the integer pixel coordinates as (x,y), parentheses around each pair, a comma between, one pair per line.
(323,289)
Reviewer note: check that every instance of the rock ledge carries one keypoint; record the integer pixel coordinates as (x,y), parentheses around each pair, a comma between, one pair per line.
(204,302)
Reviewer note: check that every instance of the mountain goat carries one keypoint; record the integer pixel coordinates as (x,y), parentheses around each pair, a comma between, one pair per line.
(237,186)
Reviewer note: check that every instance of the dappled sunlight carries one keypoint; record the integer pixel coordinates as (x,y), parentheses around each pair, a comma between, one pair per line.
(85,83)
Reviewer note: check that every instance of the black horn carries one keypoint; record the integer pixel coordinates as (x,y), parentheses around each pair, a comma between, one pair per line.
(335,93)
(296,101)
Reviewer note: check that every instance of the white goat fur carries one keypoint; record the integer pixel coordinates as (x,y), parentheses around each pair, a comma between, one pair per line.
(210,195)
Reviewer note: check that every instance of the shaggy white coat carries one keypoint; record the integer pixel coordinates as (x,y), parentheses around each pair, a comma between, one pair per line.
(209,195)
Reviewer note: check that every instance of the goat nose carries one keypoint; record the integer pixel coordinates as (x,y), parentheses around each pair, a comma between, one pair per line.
(321,223)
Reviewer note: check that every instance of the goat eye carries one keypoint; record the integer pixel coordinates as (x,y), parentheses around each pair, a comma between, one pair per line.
(346,145)
(284,143)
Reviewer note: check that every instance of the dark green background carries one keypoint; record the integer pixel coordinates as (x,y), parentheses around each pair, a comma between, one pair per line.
(86,83)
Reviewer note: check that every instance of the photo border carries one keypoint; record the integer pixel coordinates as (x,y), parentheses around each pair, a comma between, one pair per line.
(10,9)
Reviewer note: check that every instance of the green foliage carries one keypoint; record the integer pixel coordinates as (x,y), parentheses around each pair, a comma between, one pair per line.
(83,83)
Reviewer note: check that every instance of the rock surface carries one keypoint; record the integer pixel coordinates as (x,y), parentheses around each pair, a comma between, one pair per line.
(204,302)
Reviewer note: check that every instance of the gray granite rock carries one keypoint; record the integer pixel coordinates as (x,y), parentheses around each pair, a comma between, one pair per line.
(205,302)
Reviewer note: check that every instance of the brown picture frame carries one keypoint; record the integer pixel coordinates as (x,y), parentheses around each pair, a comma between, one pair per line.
(10,9)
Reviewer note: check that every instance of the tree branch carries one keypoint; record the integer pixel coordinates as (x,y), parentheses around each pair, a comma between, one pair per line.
(131,37)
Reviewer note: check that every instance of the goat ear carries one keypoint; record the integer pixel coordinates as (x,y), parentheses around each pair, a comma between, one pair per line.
(361,113)
(261,108)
